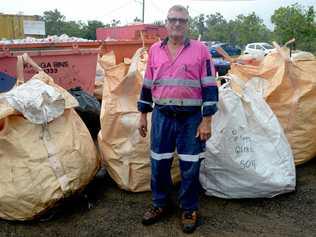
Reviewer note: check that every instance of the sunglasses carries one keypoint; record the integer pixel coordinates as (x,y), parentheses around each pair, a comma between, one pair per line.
(173,20)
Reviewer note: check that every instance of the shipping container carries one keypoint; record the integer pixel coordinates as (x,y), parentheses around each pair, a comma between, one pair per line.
(132,32)
(12,26)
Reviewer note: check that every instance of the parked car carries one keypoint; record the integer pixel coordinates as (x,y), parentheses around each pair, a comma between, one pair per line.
(221,66)
(230,49)
(258,49)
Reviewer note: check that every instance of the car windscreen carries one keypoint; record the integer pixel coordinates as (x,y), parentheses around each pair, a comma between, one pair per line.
(267,46)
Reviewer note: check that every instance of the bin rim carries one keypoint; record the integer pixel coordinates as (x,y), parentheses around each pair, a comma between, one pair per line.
(49,52)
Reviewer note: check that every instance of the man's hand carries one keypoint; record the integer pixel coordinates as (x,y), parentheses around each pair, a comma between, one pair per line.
(204,129)
(142,128)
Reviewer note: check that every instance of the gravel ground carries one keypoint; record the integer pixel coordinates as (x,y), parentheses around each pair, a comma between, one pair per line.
(105,210)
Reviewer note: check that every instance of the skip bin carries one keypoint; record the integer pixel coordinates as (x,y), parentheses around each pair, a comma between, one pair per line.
(70,67)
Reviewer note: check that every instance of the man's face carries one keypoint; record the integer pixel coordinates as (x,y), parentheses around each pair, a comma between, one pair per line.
(177,23)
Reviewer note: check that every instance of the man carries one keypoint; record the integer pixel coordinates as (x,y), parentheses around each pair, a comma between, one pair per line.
(180,82)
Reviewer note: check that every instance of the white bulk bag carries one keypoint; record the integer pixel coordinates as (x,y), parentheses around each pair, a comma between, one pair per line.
(248,155)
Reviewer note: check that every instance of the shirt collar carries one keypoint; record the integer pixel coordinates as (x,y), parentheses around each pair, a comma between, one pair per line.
(165,41)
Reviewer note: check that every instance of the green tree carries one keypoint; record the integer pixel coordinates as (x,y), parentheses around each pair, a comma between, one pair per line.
(73,28)
(232,32)
(241,30)
(54,22)
(249,29)
(197,27)
(193,30)
(296,22)
(217,27)
(90,29)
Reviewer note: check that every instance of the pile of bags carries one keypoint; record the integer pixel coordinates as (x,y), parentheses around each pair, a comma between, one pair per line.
(266,111)
(46,153)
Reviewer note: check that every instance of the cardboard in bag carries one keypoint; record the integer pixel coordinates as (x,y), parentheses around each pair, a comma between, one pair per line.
(42,164)
(289,88)
(106,61)
(125,154)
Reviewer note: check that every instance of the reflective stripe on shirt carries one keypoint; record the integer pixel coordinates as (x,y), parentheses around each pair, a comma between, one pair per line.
(177,82)
(179,102)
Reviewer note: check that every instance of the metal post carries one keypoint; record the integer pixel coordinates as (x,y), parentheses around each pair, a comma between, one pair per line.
(143,11)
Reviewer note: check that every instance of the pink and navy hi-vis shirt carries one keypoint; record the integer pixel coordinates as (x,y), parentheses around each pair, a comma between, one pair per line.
(185,83)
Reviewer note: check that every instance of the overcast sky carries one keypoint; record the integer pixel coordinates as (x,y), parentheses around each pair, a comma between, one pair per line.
(127,10)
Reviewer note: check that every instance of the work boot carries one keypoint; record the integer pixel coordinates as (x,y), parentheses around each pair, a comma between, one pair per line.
(153,215)
(189,221)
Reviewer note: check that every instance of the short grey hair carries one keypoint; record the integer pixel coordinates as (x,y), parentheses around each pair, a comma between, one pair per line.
(179,8)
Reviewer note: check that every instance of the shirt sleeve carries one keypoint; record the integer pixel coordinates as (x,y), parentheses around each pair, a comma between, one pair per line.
(145,102)
(209,85)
